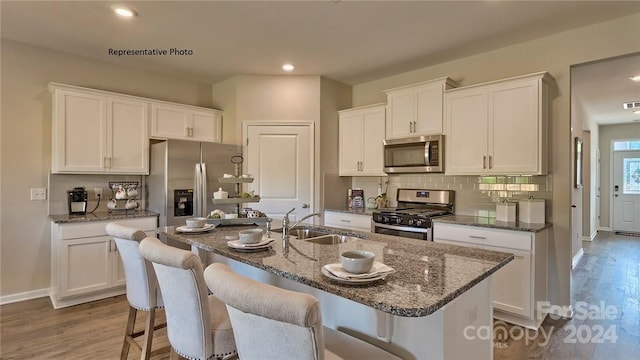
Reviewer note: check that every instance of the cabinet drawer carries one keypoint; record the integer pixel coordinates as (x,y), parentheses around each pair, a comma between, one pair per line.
(507,239)
(348,221)
(96,228)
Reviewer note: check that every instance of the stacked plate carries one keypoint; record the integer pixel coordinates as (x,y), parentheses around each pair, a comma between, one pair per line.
(335,272)
(263,244)
(186,229)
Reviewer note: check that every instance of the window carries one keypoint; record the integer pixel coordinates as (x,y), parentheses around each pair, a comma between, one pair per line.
(631,176)
(626,145)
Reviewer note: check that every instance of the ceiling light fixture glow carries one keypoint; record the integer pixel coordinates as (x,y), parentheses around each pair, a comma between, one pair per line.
(637,112)
(288,67)
(124,11)
(635,78)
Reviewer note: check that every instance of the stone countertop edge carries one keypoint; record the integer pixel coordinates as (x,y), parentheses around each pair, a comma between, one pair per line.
(490,223)
(99,216)
(366,212)
(428,275)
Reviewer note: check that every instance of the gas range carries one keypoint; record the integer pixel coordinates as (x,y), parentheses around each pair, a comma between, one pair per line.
(412,217)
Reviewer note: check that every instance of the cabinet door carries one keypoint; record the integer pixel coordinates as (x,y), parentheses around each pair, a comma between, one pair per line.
(169,122)
(514,129)
(429,110)
(79,132)
(466,115)
(85,265)
(351,144)
(373,149)
(206,126)
(401,114)
(512,284)
(128,141)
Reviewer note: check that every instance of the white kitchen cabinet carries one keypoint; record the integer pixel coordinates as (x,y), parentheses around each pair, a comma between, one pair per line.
(521,284)
(85,263)
(349,221)
(498,127)
(98,132)
(416,109)
(360,137)
(172,121)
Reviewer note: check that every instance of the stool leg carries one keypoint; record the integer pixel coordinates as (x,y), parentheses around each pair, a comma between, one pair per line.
(128,332)
(148,335)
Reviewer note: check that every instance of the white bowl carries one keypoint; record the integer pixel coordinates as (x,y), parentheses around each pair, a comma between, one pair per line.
(250,236)
(196,222)
(357,261)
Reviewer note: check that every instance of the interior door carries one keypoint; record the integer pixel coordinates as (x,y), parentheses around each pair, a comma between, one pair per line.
(280,158)
(626,191)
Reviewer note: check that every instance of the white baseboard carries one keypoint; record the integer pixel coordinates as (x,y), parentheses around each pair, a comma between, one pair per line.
(605,229)
(576,258)
(590,238)
(27,295)
(561,312)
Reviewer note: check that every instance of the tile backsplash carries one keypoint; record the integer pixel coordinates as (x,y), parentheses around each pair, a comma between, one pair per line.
(475,195)
(60,184)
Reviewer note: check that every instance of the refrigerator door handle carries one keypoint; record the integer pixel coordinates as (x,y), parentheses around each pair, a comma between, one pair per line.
(196,191)
(203,190)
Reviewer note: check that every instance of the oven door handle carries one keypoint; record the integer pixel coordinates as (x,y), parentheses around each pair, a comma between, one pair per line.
(401,228)
(427,153)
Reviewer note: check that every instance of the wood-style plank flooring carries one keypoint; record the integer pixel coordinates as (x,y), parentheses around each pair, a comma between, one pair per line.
(609,272)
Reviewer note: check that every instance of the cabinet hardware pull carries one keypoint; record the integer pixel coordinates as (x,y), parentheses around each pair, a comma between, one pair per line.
(414,126)
(186,131)
(477,237)
(343,220)
(490,162)
(484,161)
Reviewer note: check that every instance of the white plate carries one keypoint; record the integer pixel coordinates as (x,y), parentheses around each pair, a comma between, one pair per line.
(326,273)
(186,229)
(263,244)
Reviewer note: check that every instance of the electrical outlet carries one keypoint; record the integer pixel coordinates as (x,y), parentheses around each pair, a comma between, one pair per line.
(38,194)
(97,193)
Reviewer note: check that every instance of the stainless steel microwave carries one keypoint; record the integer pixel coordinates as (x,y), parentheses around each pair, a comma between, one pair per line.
(421,154)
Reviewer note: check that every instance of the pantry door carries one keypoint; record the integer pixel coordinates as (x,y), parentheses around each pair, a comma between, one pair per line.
(280,158)
(626,191)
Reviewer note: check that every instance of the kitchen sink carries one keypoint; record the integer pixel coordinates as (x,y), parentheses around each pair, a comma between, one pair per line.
(315,236)
(328,239)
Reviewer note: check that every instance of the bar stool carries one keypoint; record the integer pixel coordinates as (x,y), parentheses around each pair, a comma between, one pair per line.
(198,324)
(143,292)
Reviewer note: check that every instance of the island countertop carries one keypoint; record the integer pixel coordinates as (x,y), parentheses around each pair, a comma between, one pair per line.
(428,275)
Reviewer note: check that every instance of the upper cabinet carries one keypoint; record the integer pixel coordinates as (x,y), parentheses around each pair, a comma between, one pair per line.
(172,121)
(98,132)
(360,137)
(416,109)
(498,127)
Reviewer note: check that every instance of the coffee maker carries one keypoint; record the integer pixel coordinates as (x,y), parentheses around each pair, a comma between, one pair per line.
(77,199)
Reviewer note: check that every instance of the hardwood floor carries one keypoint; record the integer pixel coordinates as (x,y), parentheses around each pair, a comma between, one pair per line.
(607,275)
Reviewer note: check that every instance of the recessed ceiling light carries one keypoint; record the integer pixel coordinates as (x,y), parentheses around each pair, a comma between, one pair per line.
(123,11)
(635,78)
(637,112)
(288,67)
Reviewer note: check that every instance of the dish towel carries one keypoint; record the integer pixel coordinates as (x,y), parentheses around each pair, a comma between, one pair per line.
(378,269)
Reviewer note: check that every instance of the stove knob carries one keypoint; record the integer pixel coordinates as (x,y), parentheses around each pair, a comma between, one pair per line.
(418,222)
(398,220)
(410,222)
(385,219)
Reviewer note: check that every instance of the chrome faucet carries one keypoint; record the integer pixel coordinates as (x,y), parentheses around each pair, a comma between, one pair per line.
(285,222)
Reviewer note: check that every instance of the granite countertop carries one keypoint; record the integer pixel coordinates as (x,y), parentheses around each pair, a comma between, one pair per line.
(490,223)
(100,216)
(428,276)
(368,212)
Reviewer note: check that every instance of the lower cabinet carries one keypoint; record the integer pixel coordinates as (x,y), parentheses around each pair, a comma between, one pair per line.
(85,263)
(348,221)
(519,286)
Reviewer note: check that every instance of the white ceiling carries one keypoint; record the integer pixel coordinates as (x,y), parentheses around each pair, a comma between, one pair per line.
(348,41)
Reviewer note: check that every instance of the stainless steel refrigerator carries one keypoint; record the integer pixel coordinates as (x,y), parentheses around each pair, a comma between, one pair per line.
(183,175)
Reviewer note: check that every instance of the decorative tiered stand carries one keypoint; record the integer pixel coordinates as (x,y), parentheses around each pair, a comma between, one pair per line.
(123,193)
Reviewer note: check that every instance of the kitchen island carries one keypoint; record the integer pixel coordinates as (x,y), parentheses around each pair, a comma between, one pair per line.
(436,305)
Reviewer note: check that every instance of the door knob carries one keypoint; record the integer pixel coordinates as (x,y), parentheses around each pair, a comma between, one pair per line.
(304,206)
(573,206)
